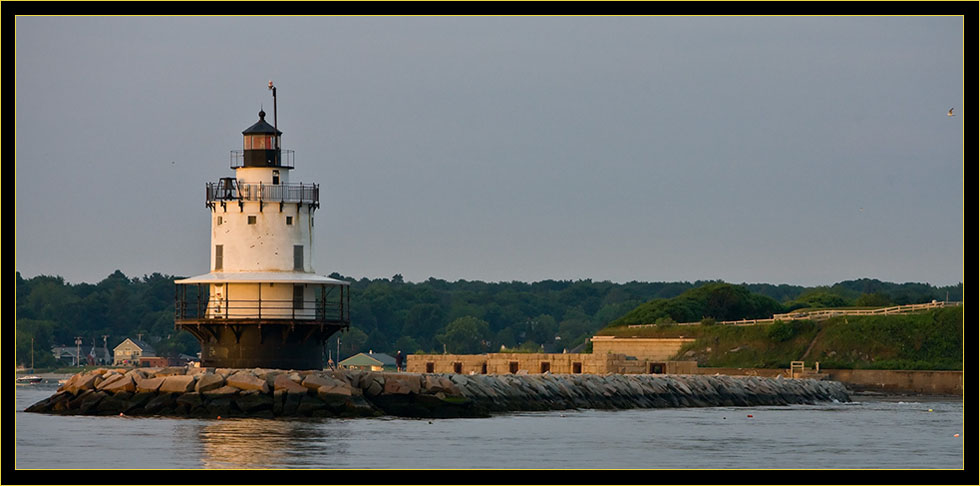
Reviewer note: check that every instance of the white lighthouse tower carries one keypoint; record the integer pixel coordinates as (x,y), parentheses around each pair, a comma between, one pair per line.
(261,304)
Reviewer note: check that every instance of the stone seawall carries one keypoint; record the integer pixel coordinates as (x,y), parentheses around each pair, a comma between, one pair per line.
(209,392)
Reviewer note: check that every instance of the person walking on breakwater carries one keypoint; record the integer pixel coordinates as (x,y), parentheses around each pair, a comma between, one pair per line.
(398,360)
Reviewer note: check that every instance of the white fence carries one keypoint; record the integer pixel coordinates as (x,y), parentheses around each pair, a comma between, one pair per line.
(827,313)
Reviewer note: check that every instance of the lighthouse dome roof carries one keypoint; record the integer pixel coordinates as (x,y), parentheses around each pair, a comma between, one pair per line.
(261,126)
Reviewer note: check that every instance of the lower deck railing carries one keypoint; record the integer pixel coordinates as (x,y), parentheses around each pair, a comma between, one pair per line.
(194,304)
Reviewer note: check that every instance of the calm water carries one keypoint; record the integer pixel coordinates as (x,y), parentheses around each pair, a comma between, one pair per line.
(867,434)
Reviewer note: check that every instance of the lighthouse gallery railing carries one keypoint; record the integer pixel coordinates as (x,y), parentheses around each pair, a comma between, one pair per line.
(231,190)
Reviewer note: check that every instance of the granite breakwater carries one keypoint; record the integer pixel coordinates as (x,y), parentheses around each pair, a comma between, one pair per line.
(210,392)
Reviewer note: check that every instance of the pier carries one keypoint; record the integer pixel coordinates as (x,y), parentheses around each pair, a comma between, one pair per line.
(227,392)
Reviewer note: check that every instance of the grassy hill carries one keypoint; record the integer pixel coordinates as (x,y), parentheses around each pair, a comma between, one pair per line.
(931,340)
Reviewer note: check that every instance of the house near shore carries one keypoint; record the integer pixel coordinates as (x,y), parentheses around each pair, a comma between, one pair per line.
(131,352)
(369,361)
(66,355)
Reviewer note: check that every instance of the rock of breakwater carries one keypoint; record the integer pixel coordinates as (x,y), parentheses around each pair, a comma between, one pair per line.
(210,392)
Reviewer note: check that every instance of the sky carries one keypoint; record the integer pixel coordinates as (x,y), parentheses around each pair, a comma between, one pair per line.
(796,150)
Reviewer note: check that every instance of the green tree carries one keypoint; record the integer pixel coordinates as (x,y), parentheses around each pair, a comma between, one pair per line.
(781,331)
(466,335)
(176,344)
(34,336)
(718,300)
(407,345)
(422,321)
(613,311)
(352,342)
(541,329)
(505,337)
(376,340)
(818,298)
(572,330)
(876,299)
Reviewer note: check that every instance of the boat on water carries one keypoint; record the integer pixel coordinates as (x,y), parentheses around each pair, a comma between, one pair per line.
(28,380)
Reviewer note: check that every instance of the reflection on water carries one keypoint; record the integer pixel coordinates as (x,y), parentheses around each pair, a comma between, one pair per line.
(250,443)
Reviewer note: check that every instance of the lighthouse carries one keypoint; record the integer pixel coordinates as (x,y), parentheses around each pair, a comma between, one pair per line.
(262,305)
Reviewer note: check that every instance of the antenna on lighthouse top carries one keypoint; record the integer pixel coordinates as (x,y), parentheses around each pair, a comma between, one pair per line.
(275,119)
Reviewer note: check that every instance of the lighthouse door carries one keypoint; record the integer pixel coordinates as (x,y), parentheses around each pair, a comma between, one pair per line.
(275,177)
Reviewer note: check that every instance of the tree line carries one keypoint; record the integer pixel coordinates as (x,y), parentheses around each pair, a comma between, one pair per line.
(435,315)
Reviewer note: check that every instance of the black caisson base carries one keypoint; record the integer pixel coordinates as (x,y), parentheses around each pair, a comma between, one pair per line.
(294,346)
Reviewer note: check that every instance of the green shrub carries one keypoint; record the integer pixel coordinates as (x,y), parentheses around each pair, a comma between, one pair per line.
(781,331)
(873,300)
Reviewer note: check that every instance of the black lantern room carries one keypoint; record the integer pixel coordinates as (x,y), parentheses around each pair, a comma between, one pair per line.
(261,144)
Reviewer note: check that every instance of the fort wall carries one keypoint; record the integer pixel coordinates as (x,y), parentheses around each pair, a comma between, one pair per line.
(540,363)
(652,349)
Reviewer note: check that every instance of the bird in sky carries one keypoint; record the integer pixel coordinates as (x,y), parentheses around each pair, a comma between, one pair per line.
(950,113)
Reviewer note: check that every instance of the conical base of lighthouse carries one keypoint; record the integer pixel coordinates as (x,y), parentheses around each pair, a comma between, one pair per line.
(278,346)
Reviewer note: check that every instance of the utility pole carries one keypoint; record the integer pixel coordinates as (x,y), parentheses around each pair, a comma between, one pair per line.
(78,350)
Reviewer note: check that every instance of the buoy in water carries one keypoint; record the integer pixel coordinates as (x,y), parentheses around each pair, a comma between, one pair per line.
(956,435)
(749,416)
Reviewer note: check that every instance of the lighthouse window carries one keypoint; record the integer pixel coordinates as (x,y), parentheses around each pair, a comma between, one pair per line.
(251,220)
(289,220)
(219,220)
(298,257)
(219,256)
